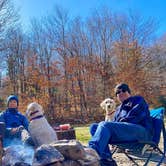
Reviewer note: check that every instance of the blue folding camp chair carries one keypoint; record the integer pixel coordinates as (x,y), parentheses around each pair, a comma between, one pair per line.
(157,116)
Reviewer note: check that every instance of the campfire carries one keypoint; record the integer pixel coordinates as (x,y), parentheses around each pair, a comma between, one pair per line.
(17,154)
(58,153)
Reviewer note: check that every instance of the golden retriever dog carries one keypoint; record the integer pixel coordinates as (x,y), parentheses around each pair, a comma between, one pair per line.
(109,106)
(39,129)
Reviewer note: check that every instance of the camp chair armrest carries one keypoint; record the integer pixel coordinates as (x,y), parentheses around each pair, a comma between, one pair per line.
(157,116)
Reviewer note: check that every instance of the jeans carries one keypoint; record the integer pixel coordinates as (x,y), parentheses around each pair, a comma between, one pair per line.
(105,133)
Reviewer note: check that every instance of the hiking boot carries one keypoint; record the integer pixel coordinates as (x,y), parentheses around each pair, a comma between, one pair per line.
(107,162)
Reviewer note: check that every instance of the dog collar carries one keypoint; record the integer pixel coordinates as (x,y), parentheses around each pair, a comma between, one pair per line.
(32,113)
(111,113)
(37,117)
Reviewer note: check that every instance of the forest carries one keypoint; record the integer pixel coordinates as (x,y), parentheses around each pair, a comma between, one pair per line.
(69,65)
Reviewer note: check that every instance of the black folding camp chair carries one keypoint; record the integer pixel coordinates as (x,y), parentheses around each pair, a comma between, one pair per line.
(131,147)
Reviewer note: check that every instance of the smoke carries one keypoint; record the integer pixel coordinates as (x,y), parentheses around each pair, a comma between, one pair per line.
(17,150)
(18,153)
(27,154)
(11,142)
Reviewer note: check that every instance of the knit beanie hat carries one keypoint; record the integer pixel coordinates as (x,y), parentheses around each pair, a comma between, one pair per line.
(12,97)
(123,87)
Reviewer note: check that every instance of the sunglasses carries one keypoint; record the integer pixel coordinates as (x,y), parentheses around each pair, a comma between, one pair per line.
(119,91)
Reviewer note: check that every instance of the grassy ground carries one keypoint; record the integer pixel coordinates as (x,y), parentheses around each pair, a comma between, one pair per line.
(82,134)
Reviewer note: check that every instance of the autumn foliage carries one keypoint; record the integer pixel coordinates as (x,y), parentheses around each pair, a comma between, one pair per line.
(69,67)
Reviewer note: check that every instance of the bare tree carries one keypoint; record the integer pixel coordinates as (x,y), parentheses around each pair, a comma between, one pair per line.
(58,23)
(15,59)
(102,29)
(8,18)
(132,39)
(158,66)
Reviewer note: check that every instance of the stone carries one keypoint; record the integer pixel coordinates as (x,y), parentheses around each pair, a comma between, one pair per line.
(91,159)
(70,149)
(46,154)
(71,163)
(58,153)
(21,164)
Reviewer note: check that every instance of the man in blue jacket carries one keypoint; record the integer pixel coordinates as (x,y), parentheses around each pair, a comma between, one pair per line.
(14,122)
(131,122)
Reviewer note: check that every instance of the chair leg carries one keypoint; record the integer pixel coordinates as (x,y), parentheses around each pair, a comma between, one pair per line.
(161,160)
(148,159)
(131,159)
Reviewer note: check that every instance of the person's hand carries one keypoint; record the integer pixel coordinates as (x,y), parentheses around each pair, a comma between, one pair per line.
(16,130)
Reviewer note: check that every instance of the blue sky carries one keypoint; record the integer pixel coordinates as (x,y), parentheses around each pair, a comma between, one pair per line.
(146,8)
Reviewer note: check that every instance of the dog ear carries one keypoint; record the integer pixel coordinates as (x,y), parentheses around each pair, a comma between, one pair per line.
(40,108)
(27,113)
(113,102)
(102,104)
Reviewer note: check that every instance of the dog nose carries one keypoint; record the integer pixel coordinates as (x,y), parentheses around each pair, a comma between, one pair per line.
(109,106)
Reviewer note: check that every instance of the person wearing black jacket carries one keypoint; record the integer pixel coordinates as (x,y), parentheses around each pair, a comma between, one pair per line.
(131,122)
